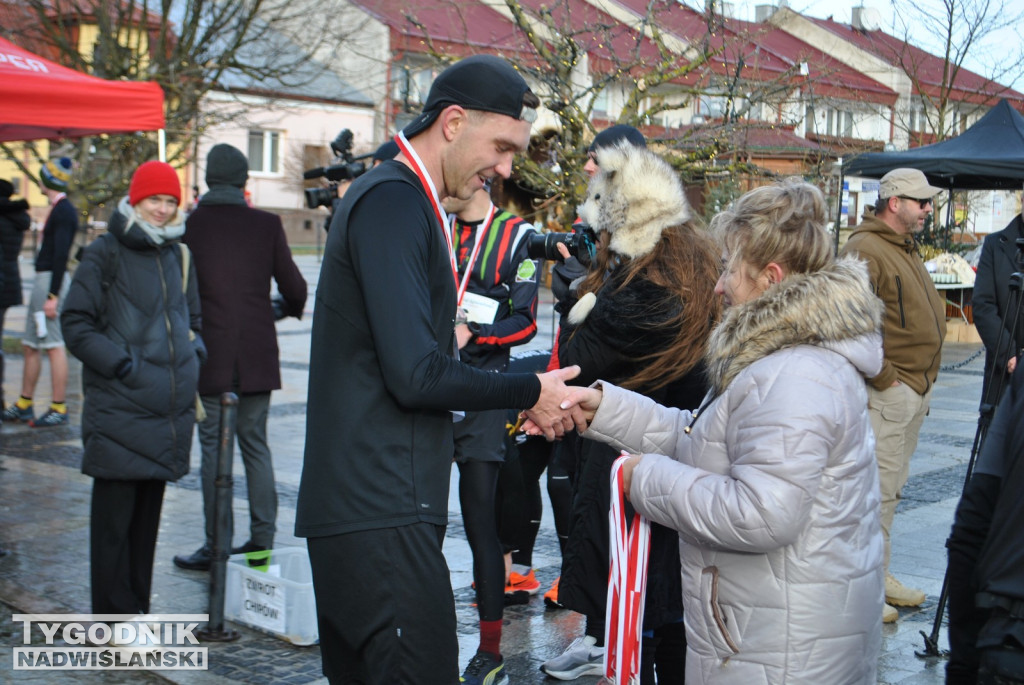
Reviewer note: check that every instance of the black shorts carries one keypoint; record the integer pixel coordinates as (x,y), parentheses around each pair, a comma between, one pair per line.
(385,607)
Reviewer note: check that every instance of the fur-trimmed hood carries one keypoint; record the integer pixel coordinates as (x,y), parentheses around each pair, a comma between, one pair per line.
(832,308)
(634,197)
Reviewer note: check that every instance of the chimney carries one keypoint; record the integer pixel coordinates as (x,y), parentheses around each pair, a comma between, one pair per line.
(721,8)
(865,18)
(763,12)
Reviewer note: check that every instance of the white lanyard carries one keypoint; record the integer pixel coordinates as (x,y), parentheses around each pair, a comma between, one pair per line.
(482,234)
(435,202)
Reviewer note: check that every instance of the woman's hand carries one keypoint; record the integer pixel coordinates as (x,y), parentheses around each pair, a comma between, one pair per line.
(627,472)
(587,399)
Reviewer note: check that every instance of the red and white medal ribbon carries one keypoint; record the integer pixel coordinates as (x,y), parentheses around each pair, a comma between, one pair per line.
(627,586)
(435,202)
(481,236)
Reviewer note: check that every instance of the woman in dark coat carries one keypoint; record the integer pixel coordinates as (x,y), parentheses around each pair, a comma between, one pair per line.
(643,316)
(132,318)
(14,221)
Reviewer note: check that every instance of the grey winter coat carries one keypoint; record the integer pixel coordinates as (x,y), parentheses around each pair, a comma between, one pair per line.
(774,488)
(128,320)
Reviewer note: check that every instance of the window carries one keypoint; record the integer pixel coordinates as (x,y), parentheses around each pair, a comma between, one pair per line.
(809,123)
(601,100)
(265,151)
(839,123)
(959,122)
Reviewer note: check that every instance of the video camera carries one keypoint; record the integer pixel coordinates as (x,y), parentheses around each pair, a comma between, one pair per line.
(346,168)
(581,243)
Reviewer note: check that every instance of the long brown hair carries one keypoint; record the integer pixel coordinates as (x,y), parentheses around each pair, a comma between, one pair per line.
(686,263)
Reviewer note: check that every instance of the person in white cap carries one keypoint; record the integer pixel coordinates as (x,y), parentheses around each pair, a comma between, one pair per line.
(914,328)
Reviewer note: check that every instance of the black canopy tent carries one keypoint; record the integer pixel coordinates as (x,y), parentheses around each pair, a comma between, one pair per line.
(987,156)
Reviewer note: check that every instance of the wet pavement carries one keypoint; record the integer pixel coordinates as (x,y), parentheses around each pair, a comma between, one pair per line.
(44,523)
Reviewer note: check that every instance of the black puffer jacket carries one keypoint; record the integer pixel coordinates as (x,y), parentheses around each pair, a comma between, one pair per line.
(137,426)
(14,220)
(626,325)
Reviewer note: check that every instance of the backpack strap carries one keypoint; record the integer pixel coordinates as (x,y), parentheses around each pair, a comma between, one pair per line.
(109,272)
(186,256)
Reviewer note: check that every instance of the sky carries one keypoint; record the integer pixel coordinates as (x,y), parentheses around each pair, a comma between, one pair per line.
(994,47)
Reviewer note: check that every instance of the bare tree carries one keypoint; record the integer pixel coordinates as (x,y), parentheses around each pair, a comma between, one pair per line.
(189,47)
(967,32)
(581,64)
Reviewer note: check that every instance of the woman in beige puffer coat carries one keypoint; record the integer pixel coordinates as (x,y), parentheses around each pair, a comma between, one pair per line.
(772,484)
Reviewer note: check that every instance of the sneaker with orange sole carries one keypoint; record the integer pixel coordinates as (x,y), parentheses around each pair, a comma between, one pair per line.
(518,582)
(551,596)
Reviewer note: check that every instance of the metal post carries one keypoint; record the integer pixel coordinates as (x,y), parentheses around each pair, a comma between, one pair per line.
(215,631)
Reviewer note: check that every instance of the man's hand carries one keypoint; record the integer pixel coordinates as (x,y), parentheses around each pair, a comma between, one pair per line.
(50,308)
(548,415)
(1011,365)
(462,335)
(581,403)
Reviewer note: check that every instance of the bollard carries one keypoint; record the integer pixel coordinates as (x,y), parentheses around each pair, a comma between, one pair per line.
(215,631)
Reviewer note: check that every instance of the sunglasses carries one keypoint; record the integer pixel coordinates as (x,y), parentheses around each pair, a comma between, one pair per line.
(922,203)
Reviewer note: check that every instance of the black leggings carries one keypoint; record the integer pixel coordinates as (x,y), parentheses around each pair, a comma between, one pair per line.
(478,482)
(3,313)
(535,455)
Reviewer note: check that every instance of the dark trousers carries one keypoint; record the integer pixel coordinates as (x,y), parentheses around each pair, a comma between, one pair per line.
(251,435)
(122,541)
(385,608)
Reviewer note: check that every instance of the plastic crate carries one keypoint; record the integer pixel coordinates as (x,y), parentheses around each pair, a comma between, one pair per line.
(273,592)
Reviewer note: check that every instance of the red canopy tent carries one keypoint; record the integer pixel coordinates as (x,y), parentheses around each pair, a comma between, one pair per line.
(41,99)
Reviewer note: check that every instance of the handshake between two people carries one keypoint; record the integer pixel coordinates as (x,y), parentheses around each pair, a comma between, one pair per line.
(575,409)
(560,407)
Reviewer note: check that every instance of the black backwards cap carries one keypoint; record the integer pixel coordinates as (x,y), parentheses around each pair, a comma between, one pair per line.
(481,82)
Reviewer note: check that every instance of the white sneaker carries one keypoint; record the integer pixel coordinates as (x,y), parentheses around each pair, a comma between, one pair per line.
(579,659)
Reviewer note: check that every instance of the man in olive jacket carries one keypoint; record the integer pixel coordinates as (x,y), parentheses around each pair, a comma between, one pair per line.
(913,330)
(237,250)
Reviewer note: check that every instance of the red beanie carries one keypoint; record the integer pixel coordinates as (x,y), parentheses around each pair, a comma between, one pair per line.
(154,178)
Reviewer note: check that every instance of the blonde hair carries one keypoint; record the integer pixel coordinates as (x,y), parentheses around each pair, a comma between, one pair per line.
(782,223)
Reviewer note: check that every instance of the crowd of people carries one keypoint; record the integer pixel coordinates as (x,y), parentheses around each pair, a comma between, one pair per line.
(766,392)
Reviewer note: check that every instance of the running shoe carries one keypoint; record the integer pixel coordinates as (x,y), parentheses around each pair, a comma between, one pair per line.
(581,658)
(485,669)
(13,413)
(520,583)
(49,419)
(551,596)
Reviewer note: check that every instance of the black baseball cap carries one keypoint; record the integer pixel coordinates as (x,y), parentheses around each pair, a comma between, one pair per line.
(482,82)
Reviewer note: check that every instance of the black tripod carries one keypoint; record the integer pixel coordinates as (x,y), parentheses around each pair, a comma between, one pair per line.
(994,388)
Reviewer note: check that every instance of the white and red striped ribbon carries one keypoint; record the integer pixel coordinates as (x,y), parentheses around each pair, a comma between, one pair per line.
(627,585)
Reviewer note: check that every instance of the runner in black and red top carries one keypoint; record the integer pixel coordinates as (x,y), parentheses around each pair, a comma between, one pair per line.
(497,296)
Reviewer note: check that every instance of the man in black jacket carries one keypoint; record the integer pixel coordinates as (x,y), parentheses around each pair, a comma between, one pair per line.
(238,250)
(384,375)
(986,557)
(999,259)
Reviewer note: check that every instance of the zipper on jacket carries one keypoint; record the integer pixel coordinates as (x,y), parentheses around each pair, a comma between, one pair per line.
(899,301)
(170,344)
